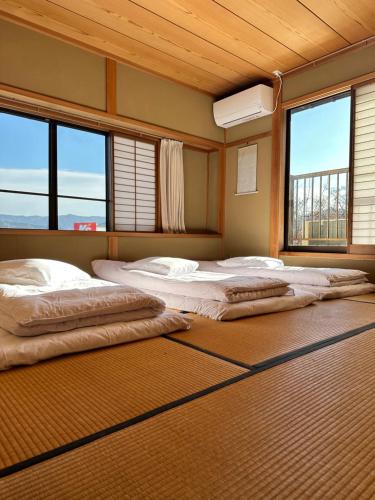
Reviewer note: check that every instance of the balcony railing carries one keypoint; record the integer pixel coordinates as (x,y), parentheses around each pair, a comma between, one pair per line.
(318,208)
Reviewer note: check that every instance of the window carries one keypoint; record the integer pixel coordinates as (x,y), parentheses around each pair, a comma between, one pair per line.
(134,184)
(318,160)
(24,178)
(56,176)
(52,176)
(81,179)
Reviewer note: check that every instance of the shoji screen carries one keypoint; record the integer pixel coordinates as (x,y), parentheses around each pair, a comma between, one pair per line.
(134,184)
(363,226)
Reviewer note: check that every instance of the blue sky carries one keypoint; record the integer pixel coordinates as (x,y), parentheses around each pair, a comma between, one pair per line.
(84,154)
(320,137)
(24,166)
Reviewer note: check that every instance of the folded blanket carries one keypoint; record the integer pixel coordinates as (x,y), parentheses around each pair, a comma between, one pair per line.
(292,274)
(225,311)
(204,285)
(16,350)
(337,292)
(26,313)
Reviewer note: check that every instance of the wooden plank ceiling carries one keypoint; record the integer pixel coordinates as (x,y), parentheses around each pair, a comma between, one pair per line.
(212,45)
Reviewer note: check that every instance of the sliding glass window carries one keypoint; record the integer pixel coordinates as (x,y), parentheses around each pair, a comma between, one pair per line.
(81,179)
(317,184)
(52,175)
(24,172)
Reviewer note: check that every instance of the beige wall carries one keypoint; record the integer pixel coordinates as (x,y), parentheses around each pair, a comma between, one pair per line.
(195,177)
(247,219)
(201,176)
(42,64)
(213,192)
(77,250)
(45,65)
(156,100)
(208,248)
(248,129)
(247,216)
(342,68)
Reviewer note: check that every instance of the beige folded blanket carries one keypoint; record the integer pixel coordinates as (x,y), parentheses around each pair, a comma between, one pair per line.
(15,350)
(225,311)
(25,313)
(202,285)
(294,275)
(337,292)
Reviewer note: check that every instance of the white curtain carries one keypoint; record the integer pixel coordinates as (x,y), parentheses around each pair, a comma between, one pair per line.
(172,186)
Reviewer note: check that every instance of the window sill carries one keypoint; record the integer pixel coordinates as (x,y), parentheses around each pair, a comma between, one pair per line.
(328,255)
(47,232)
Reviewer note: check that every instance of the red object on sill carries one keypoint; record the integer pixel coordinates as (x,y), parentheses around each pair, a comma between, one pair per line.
(85,226)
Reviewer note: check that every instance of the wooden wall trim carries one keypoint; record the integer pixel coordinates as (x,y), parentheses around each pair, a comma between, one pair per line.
(207,187)
(276,197)
(331,57)
(110,86)
(46,104)
(327,91)
(112,252)
(249,139)
(361,249)
(328,255)
(222,189)
(105,234)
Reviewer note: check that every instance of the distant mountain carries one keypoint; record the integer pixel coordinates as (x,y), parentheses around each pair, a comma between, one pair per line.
(40,222)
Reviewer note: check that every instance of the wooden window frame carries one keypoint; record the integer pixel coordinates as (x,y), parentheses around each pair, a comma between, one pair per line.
(315,248)
(277,194)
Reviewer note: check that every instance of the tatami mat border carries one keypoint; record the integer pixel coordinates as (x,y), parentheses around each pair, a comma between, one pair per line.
(282,358)
(210,353)
(302,351)
(252,370)
(118,427)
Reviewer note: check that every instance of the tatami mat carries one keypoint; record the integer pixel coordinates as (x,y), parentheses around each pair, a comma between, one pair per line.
(302,430)
(369,298)
(254,340)
(53,403)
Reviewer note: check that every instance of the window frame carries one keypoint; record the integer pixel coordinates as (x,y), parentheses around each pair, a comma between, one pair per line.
(328,249)
(52,193)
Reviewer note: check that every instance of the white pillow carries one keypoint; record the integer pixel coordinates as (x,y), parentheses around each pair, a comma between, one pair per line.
(168,266)
(251,261)
(39,272)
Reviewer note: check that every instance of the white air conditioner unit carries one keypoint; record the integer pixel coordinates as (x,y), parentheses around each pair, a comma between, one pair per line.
(244,106)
